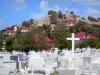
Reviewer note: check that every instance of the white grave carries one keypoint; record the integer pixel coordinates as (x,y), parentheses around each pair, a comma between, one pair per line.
(4,70)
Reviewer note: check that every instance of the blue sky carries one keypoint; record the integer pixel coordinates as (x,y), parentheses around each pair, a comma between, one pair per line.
(15,11)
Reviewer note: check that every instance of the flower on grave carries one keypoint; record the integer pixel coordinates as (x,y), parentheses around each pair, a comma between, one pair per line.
(17,70)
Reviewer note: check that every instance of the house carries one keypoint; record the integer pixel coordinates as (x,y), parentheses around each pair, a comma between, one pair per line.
(84,35)
(22,28)
(52,26)
(18,27)
(70,20)
(47,40)
(8,31)
(11,30)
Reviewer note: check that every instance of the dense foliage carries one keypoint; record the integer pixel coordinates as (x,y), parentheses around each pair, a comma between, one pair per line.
(34,38)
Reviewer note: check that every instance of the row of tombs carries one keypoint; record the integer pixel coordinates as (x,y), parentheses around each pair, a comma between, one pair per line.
(46,63)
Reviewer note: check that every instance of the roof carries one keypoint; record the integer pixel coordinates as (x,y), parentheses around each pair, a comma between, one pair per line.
(84,35)
(47,40)
(8,30)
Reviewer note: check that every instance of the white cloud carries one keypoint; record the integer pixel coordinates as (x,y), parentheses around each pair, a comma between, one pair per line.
(20,1)
(92,12)
(44,4)
(89,2)
(44,7)
(56,8)
(19,4)
(37,15)
(20,8)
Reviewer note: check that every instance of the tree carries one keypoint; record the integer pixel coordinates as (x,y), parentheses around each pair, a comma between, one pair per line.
(81,26)
(28,37)
(59,36)
(93,29)
(67,11)
(72,12)
(34,39)
(53,16)
(64,16)
(25,23)
(87,42)
(98,44)
(2,37)
(60,15)
(83,18)
(90,18)
(31,21)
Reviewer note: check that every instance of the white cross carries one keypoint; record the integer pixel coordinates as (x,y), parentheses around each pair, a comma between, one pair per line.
(3,48)
(73,39)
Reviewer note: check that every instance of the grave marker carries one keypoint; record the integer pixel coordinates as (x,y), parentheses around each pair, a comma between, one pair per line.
(73,39)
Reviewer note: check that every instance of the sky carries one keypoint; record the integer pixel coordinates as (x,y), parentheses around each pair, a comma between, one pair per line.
(16,11)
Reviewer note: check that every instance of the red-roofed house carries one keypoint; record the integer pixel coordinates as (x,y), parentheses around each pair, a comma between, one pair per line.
(47,40)
(23,28)
(84,35)
(52,26)
(18,27)
(8,31)
(70,20)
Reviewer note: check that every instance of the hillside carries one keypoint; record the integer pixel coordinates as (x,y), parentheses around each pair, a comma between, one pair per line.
(91,22)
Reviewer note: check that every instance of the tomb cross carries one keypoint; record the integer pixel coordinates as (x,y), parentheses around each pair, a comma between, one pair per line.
(73,39)
(3,48)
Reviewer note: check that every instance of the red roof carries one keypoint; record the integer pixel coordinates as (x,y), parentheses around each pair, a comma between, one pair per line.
(84,35)
(70,22)
(8,30)
(49,41)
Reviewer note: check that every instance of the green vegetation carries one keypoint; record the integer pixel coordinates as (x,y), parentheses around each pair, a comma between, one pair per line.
(94,43)
(34,38)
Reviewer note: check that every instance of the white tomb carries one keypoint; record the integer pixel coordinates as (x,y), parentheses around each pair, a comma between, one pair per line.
(4,70)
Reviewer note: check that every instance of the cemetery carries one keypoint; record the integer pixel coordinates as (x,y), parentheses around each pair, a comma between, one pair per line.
(85,61)
(58,43)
